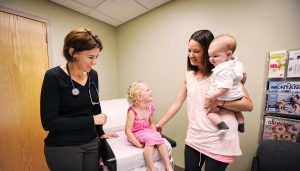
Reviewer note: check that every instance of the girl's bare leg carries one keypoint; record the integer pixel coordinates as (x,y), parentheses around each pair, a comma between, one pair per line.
(149,155)
(164,155)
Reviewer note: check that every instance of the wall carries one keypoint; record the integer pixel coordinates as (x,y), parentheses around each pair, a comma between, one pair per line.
(62,20)
(153,48)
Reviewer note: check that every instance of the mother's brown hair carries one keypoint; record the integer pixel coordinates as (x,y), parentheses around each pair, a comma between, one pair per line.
(204,38)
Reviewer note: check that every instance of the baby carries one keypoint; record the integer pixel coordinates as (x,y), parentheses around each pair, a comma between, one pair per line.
(227,76)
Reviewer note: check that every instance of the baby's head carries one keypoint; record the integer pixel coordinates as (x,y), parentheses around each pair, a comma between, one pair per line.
(221,49)
(139,92)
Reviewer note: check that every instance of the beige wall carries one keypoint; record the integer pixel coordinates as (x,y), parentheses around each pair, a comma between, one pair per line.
(153,48)
(62,20)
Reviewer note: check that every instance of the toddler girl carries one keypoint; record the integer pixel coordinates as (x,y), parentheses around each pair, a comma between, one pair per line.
(140,127)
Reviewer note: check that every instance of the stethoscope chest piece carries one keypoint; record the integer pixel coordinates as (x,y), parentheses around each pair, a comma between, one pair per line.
(75,91)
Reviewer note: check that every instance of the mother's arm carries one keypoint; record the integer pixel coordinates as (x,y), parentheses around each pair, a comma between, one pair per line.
(244,104)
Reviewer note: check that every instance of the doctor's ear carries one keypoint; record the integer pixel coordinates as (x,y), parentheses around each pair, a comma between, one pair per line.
(72,52)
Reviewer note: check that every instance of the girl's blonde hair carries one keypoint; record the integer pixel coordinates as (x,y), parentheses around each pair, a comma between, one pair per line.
(134,93)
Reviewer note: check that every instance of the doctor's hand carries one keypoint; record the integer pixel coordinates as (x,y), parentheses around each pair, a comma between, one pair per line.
(109,135)
(100,119)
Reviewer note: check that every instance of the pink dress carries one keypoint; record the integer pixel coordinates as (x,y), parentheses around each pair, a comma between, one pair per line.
(142,131)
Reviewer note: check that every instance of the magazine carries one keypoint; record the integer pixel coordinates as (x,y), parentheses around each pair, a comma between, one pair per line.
(277,64)
(284,86)
(293,63)
(277,128)
(284,97)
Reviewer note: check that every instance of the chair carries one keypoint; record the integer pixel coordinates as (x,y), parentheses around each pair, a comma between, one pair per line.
(118,153)
(275,155)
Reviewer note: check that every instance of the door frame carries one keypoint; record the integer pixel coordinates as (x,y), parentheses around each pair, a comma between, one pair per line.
(36,18)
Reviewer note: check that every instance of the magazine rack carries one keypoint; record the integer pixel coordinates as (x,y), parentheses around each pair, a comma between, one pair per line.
(281,117)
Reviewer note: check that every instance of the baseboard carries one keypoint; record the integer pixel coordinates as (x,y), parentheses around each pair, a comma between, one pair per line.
(178,168)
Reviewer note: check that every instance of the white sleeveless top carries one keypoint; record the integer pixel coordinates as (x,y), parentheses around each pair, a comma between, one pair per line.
(202,134)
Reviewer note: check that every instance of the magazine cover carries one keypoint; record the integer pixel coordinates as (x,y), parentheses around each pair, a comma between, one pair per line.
(284,103)
(284,97)
(276,128)
(277,64)
(284,86)
(293,64)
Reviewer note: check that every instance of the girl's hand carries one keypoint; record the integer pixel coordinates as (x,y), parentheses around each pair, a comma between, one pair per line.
(141,145)
(100,119)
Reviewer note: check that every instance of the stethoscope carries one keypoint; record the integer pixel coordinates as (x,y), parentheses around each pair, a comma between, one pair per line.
(75,91)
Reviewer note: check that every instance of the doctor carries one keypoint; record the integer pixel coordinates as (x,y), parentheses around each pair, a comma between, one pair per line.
(70,107)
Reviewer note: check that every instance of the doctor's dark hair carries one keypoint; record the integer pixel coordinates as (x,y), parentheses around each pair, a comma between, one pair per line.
(80,39)
(204,38)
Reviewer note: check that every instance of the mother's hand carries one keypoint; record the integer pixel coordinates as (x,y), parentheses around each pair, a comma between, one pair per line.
(212,106)
(158,127)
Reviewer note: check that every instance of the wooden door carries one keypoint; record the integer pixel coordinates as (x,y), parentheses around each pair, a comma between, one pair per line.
(23,62)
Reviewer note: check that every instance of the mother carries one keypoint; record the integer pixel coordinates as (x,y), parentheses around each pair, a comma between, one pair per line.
(203,144)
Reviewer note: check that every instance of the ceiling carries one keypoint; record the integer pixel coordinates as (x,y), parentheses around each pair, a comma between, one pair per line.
(113,12)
